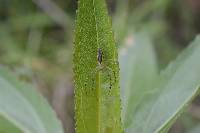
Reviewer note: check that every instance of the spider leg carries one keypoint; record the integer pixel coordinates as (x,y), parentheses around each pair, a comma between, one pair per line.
(93,75)
(111,76)
(113,63)
(107,73)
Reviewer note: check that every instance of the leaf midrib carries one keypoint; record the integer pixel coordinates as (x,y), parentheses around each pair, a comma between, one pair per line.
(98,75)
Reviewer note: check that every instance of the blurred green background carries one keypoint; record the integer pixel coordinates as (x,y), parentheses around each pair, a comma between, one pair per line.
(36,43)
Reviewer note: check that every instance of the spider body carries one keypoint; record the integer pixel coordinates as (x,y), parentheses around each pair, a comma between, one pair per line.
(100,56)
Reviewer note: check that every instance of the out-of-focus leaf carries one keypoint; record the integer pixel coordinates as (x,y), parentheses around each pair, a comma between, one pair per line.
(120,20)
(25,108)
(10,51)
(138,71)
(7,127)
(196,129)
(177,86)
(36,20)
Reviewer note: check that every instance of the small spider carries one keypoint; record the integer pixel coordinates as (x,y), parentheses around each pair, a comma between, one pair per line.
(105,70)
(99,56)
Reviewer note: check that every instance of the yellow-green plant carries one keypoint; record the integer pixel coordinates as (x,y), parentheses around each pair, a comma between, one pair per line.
(96,70)
(151,102)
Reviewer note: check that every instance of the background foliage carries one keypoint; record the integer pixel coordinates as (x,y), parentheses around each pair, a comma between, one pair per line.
(36,39)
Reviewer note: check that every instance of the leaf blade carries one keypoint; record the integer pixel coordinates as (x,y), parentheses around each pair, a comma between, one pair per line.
(178,84)
(7,127)
(97,99)
(22,106)
(138,73)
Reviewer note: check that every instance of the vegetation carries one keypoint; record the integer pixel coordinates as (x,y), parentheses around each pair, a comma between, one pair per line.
(36,40)
(97,93)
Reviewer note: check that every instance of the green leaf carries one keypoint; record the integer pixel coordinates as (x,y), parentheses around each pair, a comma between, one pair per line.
(195,129)
(120,20)
(25,108)
(7,127)
(177,86)
(97,96)
(36,20)
(138,72)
